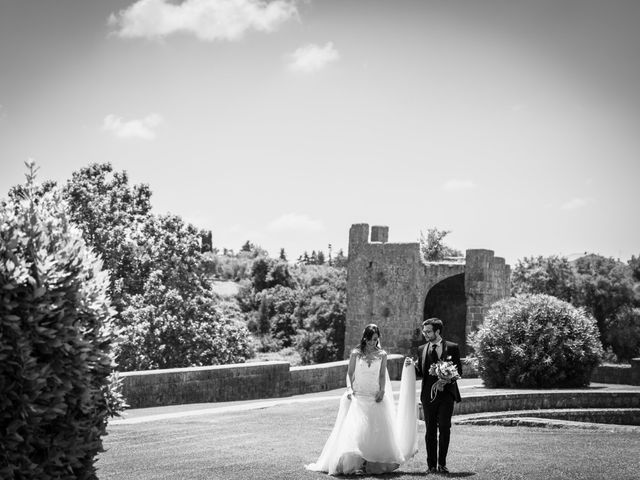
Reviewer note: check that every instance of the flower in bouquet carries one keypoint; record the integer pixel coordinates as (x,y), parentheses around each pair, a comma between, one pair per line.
(446,372)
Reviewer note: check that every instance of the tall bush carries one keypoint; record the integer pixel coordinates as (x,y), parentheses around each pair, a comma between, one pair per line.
(55,338)
(536,341)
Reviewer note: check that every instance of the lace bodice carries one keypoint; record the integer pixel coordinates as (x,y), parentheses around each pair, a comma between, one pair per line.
(366,379)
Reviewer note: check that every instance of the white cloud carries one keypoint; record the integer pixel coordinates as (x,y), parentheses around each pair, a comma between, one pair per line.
(208,20)
(296,222)
(456,184)
(143,128)
(312,58)
(575,203)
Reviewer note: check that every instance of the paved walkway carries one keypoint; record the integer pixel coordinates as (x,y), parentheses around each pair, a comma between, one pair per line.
(471,387)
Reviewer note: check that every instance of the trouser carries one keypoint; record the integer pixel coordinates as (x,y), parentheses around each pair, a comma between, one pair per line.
(437,416)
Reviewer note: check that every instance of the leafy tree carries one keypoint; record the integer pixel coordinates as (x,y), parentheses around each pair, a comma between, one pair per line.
(165,328)
(433,248)
(320,258)
(341,260)
(283,255)
(146,254)
(56,334)
(206,241)
(267,272)
(623,333)
(605,286)
(536,341)
(634,264)
(322,311)
(551,275)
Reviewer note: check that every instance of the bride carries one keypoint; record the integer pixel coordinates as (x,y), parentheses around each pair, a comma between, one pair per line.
(369,436)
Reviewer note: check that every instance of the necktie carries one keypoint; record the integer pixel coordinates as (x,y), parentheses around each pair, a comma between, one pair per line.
(434,353)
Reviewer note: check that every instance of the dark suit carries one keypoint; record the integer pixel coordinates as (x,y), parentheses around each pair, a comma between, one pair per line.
(437,413)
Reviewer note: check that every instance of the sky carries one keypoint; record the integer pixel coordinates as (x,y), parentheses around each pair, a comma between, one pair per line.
(514,124)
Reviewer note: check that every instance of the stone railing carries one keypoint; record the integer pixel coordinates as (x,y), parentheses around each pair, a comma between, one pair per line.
(243,381)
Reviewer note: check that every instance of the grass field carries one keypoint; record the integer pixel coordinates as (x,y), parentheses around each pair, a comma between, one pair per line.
(276,443)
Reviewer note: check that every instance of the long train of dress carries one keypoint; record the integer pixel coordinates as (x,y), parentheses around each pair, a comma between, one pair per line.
(370,436)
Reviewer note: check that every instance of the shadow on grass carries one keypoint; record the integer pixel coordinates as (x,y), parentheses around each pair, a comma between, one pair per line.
(401,474)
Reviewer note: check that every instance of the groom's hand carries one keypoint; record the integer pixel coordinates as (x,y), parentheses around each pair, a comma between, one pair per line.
(408,361)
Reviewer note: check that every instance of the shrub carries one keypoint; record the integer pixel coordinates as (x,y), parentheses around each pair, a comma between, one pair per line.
(313,347)
(55,339)
(623,333)
(536,341)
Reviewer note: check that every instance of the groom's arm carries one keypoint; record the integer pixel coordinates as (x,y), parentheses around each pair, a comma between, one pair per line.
(456,359)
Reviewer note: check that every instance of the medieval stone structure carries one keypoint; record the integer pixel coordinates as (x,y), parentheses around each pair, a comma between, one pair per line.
(388,284)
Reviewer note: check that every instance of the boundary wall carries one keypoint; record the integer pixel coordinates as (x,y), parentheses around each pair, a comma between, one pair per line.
(242,381)
(248,381)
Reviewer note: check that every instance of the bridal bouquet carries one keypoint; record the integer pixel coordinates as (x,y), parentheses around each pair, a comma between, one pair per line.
(446,372)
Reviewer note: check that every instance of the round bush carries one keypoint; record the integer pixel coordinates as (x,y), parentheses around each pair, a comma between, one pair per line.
(55,338)
(536,341)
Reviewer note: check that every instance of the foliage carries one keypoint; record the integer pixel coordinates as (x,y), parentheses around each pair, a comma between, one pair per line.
(536,341)
(433,248)
(322,309)
(160,277)
(166,328)
(605,286)
(267,273)
(623,333)
(56,333)
(277,314)
(634,264)
(551,275)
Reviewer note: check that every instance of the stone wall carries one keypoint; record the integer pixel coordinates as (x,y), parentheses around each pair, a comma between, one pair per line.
(244,381)
(620,374)
(388,284)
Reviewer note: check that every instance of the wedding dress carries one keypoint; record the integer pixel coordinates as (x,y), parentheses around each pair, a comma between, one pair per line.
(368,436)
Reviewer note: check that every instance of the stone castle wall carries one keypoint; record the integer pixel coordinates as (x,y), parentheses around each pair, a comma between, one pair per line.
(389,285)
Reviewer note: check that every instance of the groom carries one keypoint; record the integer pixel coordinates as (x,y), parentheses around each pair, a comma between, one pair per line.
(437,412)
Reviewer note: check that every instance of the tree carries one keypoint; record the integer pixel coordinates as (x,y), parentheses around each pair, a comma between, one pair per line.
(206,241)
(56,333)
(605,286)
(341,260)
(634,264)
(147,254)
(433,248)
(283,255)
(551,275)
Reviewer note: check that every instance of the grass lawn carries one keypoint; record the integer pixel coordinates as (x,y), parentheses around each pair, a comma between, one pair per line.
(276,443)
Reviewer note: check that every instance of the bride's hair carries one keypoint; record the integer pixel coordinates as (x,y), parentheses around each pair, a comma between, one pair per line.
(367,334)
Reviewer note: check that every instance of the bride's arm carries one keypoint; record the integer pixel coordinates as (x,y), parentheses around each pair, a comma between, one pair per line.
(381,377)
(351,370)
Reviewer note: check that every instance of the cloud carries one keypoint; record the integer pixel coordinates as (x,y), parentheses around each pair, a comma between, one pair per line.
(209,20)
(143,128)
(575,203)
(297,222)
(456,184)
(311,58)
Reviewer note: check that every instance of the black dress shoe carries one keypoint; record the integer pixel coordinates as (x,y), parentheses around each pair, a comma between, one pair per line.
(442,469)
(432,470)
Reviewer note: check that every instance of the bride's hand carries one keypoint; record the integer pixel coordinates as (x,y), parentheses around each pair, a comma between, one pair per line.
(379,395)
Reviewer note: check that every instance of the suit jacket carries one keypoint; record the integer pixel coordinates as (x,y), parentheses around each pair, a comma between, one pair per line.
(451,353)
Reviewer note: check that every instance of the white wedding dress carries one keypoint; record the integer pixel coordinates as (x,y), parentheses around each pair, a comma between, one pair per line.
(368,436)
